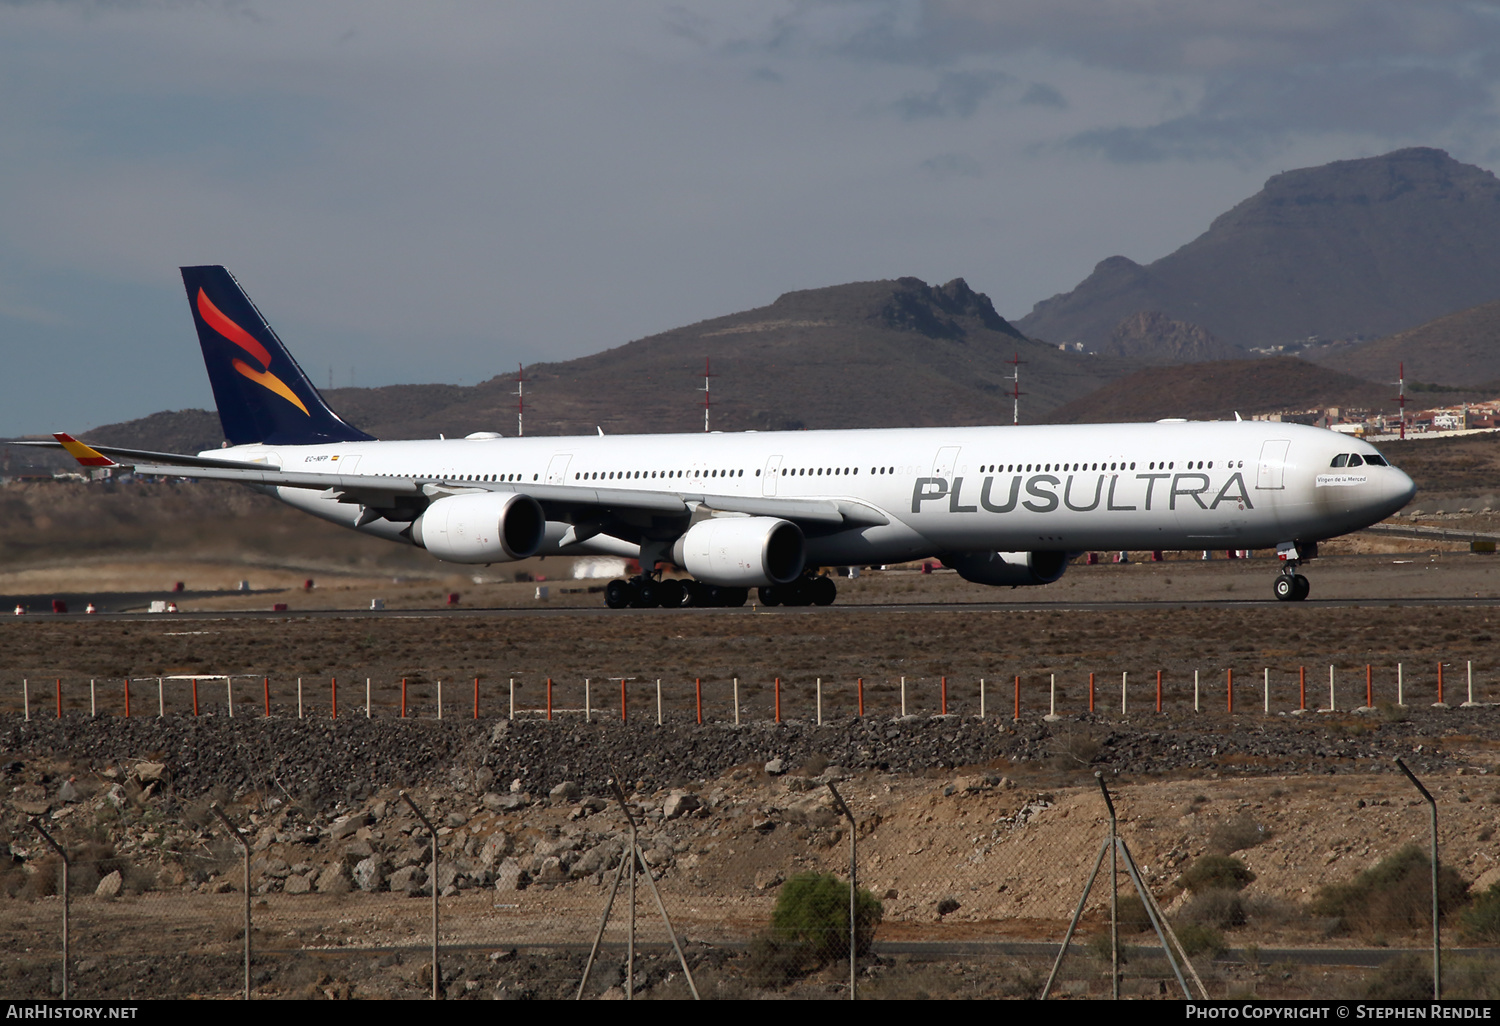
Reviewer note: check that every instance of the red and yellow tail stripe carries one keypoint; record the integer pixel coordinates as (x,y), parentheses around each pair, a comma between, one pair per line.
(83,454)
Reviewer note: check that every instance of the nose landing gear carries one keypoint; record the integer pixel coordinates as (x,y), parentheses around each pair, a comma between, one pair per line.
(1291,587)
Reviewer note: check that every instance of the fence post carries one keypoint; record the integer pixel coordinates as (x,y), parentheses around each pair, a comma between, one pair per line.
(265,689)
(1123,676)
(66,906)
(736,701)
(512,696)
(1091,692)
(839,804)
(1400,687)
(859,687)
(1437,946)
(403,698)
(59,693)
(1018,697)
(195,696)
(93,707)
(1332,698)
(432,881)
(161,699)
(1195,692)
(26,698)
(1439,704)
(1469,703)
(778,699)
(229,694)
(234,832)
(1158,691)
(299,699)
(476,696)
(658,700)
(1267,691)
(549,699)
(903,697)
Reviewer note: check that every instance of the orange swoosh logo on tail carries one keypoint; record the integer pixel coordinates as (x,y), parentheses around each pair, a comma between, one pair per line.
(217,320)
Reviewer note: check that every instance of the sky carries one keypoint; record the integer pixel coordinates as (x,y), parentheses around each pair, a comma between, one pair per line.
(438,191)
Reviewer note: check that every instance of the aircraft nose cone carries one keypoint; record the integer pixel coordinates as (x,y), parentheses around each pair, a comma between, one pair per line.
(1398,489)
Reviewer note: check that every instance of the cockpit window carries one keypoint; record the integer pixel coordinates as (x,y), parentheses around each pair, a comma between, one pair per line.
(1375,461)
(1355,461)
(1341,460)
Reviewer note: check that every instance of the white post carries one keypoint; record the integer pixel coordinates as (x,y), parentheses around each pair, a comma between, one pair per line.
(1470,702)
(1122,692)
(981,698)
(1195,692)
(367,698)
(736,701)
(440,698)
(820,701)
(1400,687)
(299,697)
(26,697)
(587,713)
(161,701)
(513,698)
(93,710)
(229,694)
(1268,691)
(1332,706)
(658,701)
(1052,700)
(903,696)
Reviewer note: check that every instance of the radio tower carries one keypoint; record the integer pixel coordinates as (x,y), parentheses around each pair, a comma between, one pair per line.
(706,401)
(520,400)
(1016,393)
(1401,399)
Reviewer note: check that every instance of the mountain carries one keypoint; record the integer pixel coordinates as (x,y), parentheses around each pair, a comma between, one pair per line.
(1220,389)
(1153,337)
(1352,249)
(1459,349)
(870,354)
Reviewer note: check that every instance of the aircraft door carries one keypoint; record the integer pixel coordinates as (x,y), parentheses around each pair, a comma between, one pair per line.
(557,470)
(772,472)
(1271,474)
(945,462)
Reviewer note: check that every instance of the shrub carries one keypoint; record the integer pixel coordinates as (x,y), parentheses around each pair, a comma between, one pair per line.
(1219,907)
(810,927)
(1216,872)
(1197,939)
(1394,894)
(1237,834)
(1480,922)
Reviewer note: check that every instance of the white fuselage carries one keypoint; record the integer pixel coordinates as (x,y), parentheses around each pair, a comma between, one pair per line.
(1169,485)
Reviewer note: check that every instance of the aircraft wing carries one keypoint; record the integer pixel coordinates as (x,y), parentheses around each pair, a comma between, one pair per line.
(561,502)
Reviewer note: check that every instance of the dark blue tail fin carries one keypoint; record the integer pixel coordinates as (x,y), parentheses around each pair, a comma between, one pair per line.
(263,396)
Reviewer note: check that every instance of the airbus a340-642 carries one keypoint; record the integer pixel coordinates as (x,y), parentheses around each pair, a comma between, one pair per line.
(766,510)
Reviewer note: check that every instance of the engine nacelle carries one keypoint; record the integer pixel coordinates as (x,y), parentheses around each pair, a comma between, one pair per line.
(489,527)
(742,552)
(1015,569)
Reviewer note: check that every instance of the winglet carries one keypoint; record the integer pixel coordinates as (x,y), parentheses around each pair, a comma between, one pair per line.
(83,454)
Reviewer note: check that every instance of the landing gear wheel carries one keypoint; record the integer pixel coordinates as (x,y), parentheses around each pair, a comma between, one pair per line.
(769,595)
(669,593)
(617,594)
(643,593)
(1303,588)
(693,594)
(823,591)
(733,596)
(1286,588)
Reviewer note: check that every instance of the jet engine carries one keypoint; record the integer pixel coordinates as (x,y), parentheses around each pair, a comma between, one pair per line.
(481,527)
(742,552)
(1008,568)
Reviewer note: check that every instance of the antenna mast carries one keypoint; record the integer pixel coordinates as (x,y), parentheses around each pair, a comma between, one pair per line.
(1401,399)
(706,399)
(520,400)
(1016,393)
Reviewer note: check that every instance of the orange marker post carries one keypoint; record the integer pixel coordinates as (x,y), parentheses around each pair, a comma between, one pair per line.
(549,699)
(195,696)
(127,698)
(1440,682)
(1302,687)
(622,700)
(333,691)
(1018,697)
(1369,687)
(861,687)
(698,692)
(476,698)
(945,696)
(1230,689)
(1091,692)
(403,698)
(778,699)
(59,698)
(265,688)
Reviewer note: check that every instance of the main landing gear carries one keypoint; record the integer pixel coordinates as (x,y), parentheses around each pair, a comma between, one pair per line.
(804,591)
(642,592)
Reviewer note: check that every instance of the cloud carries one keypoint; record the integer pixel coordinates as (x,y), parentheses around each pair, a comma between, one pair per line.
(958,94)
(1040,94)
(953,165)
